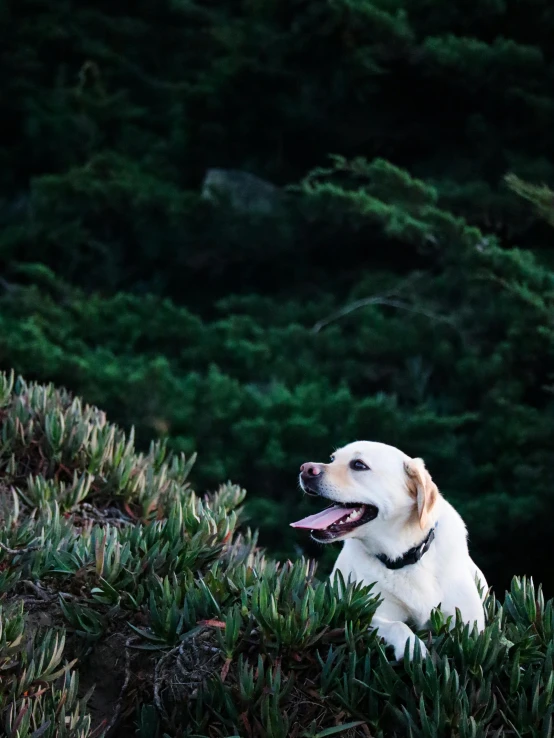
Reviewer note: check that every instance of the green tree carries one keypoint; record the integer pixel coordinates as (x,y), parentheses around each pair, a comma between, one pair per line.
(450,361)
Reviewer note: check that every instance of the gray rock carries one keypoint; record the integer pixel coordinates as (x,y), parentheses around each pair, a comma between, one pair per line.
(245,192)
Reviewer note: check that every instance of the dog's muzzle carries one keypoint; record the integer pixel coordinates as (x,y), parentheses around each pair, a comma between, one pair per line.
(310,477)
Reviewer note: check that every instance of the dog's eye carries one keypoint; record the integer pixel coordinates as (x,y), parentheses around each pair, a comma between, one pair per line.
(358,465)
(331,459)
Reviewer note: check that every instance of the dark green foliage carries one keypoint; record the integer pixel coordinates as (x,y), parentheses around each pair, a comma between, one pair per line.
(204,634)
(540,196)
(449,357)
(113,113)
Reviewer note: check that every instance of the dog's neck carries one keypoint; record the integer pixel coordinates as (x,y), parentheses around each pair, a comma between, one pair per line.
(393,541)
(412,555)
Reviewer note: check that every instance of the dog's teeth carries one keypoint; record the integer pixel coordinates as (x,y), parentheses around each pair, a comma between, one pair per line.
(354,515)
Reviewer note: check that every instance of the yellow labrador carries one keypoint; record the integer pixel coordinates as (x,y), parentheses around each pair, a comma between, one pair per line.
(399,532)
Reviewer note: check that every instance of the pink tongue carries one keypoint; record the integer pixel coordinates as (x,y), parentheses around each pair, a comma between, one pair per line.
(323,519)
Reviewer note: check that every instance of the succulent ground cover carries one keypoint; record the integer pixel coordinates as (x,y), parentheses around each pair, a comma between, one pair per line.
(131,606)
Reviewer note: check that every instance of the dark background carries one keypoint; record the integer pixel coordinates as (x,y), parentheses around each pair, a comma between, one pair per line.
(200,319)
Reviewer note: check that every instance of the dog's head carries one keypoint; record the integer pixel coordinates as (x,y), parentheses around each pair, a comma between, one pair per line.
(373,486)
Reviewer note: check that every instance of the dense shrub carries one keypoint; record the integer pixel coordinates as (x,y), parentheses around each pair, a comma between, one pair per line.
(449,359)
(112,114)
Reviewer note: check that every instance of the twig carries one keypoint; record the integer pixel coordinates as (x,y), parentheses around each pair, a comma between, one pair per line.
(91,508)
(119,705)
(110,515)
(420,311)
(157,680)
(28,600)
(39,591)
(377,300)
(380,299)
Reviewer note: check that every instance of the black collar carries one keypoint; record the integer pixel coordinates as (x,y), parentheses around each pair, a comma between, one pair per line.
(410,557)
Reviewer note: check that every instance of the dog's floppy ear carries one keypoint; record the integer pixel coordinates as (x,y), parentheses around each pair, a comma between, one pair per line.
(422,488)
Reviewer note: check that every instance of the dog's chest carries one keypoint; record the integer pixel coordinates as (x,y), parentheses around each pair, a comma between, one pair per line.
(414,589)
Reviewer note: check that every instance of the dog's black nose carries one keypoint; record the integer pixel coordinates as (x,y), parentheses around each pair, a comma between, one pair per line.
(309,470)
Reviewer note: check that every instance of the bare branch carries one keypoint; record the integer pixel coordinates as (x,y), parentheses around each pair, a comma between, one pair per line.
(387,298)
(38,590)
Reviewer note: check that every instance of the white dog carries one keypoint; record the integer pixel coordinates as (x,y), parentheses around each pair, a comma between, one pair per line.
(399,533)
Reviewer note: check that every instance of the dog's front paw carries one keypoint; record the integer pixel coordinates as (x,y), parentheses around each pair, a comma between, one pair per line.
(400,648)
(398,635)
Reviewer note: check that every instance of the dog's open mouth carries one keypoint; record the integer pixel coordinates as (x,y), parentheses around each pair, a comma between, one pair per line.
(336,520)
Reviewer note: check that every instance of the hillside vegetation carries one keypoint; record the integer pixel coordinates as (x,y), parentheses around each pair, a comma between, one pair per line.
(115,575)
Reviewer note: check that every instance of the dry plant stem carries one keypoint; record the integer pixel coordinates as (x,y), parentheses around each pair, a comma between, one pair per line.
(119,705)
(388,297)
(184,673)
(112,515)
(378,300)
(157,680)
(38,590)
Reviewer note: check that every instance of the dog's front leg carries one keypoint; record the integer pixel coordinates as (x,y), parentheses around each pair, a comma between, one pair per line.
(397,634)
